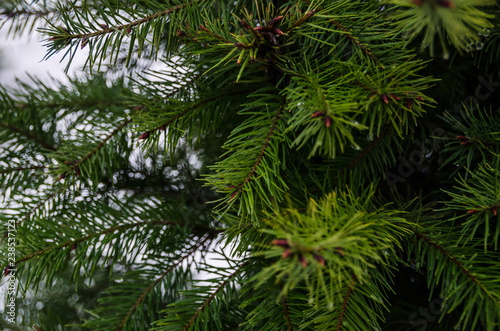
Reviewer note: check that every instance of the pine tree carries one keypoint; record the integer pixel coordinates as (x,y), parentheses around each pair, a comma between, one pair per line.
(287,165)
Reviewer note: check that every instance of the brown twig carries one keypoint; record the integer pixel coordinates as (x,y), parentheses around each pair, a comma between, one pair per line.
(263,150)
(32,167)
(346,300)
(131,24)
(287,315)
(357,43)
(28,135)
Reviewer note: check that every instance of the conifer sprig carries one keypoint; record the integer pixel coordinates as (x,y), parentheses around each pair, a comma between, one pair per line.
(330,199)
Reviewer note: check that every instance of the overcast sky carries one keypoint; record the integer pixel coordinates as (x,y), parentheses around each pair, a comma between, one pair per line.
(20,56)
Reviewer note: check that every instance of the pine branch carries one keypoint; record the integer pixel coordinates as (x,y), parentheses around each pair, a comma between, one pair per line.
(457,262)
(152,285)
(29,136)
(346,300)
(33,167)
(24,12)
(213,295)
(39,205)
(363,154)
(190,109)
(76,165)
(128,26)
(111,230)
(262,151)
(287,314)
(353,39)
(356,42)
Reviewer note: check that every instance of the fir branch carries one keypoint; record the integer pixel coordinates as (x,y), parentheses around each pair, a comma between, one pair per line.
(111,230)
(86,36)
(346,300)
(193,107)
(263,150)
(32,167)
(98,147)
(363,154)
(152,285)
(74,167)
(38,206)
(353,40)
(457,262)
(287,314)
(212,296)
(24,12)
(357,43)
(28,135)
(305,18)
(216,36)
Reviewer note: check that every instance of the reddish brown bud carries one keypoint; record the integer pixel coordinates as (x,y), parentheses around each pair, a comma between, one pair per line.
(302,260)
(408,103)
(129,30)
(145,135)
(317,114)
(287,253)
(320,259)
(281,242)
(278,32)
(472,211)
(73,247)
(311,13)
(340,251)
(85,41)
(446,4)
(464,139)
(180,33)
(395,97)
(419,98)
(328,121)
(384,98)
(494,209)
(77,170)
(104,26)
(233,195)
(162,128)
(259,29)
(276,19)
(245,24)
(61,176)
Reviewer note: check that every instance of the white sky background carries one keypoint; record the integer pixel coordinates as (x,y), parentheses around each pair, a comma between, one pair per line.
(19,56)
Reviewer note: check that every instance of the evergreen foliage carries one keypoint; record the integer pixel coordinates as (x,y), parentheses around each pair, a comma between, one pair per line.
(287,165)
